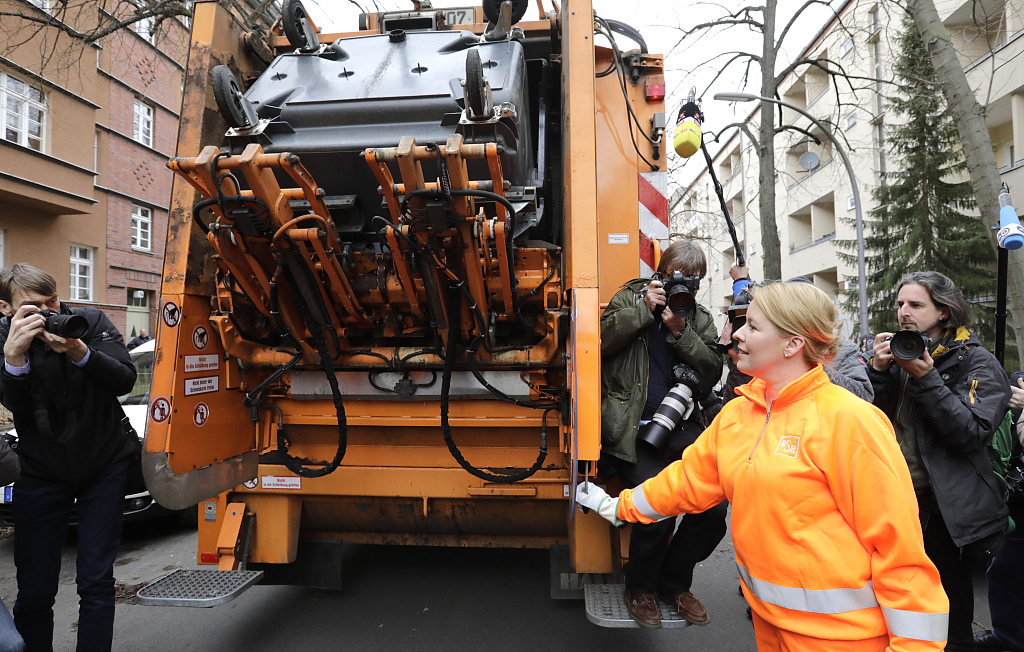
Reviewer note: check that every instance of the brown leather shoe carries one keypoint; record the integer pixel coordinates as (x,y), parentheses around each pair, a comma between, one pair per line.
(689,607)
(643,609)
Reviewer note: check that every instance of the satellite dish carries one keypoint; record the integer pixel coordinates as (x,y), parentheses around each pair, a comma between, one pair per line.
(809,160)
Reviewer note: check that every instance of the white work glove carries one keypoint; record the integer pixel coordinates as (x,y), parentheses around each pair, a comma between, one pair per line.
(592,496)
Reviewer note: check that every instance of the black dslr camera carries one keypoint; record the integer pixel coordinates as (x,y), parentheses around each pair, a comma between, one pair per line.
(672,407)
(69,326)
(680,291)
(908,344)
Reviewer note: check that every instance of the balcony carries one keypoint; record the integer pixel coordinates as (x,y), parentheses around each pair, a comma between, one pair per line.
(44,183)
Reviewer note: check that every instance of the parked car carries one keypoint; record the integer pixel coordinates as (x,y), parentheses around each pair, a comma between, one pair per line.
(138,504)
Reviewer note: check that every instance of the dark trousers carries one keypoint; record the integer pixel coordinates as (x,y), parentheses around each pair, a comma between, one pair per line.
(1006,593)
(956,566)
(659,561)
(41,515)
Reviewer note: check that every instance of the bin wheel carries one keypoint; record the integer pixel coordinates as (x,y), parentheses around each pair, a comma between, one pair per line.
(491,8)
(226,92)
(292,16)
(474,90)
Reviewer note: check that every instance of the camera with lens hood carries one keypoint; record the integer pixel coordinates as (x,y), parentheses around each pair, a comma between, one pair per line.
(908,344)
(678,404)
(70,326)
(680,294)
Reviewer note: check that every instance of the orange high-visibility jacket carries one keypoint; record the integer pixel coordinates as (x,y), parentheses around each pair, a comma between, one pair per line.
(824,517)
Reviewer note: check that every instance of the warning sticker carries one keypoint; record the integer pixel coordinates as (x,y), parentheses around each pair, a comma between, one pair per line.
(200,337)
(170,313)
(160,409)
(201,414)
(251,484)
(280,482)
(201,385)
(208,362)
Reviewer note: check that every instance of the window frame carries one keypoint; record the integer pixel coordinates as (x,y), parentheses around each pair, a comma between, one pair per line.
(143,118)
(146,29)
(846,48)
(27,103)
(142,216)
(78,264)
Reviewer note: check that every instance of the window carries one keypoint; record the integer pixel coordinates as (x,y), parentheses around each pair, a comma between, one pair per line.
(850,121)
(880,145)
(850,203)
(2,247)
(81,272)
(142,227)
(146,28)
(138,298)
(143,130)
(876,54)
(847,47)
(42,4)
(876,24)
(24,112)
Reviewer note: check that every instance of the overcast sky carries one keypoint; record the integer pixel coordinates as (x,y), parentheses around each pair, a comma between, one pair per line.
(661,23)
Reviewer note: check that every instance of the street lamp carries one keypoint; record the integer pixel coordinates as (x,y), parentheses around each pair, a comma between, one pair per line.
(861,275)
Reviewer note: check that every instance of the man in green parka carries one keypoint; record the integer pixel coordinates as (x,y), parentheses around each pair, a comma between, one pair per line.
(641,342)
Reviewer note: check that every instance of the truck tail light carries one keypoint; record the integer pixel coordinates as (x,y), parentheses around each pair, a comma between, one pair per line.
(654,88)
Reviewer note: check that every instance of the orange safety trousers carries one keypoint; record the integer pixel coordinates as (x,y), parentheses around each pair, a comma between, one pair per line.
(770,638)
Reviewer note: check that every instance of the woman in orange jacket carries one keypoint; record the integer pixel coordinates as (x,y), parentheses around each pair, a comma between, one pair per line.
(824,517)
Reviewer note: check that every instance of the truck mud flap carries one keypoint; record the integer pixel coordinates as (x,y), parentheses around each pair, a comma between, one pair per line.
(197,588)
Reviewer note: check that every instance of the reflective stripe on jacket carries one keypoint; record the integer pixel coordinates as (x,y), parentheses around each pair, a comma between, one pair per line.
(824,517)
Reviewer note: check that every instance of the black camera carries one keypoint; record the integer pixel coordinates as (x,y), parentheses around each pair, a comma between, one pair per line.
(908,344)
(674,407)
(680,291)
(69,326)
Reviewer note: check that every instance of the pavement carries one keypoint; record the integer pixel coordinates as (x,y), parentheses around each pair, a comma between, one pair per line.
(394,599)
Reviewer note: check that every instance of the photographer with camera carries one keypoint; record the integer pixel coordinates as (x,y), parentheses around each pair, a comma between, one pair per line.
(649,329)
(63,371)
(945,395)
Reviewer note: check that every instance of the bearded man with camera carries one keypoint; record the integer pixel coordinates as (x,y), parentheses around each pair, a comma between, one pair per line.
(658,358)
(63,371)
(945,395)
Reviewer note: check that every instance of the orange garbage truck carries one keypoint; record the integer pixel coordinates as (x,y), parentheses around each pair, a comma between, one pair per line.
(387,255)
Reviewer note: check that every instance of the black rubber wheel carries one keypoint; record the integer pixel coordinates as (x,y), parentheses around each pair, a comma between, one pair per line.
(292,14)
(474,89)
(492,7)
(225,91)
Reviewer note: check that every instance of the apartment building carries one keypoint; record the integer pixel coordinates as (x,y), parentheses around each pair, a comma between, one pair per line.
(814,192)
(84,186)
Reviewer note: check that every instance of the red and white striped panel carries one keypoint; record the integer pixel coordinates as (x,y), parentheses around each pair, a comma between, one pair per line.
(653,197)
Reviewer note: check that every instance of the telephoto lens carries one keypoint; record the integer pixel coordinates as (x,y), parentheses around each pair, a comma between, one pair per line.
(908,345)
(69,326)
(675,407)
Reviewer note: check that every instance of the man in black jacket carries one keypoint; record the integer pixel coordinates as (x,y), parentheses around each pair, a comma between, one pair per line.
(944,406)
(73,450)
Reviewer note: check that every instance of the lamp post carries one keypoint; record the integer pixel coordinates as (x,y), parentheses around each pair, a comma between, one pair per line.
(861,274)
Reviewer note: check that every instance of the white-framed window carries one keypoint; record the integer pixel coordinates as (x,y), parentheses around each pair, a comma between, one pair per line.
(142,227)
(143,128)
(850,203)
(82,258)
(2,234)
(23,107)
(42,4)
(146,28)
(876,54)
(880,149)
(849,121)
(847,47)
(875,20)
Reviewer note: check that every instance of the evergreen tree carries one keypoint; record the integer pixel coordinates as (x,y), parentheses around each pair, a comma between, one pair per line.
(920,223)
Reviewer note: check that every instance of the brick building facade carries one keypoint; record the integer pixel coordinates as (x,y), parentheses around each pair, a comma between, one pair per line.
(84,186)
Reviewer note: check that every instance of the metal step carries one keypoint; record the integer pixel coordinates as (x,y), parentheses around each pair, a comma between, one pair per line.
(606,606)
(197,588)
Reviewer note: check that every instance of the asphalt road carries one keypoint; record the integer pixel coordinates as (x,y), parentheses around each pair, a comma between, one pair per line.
(395,599)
